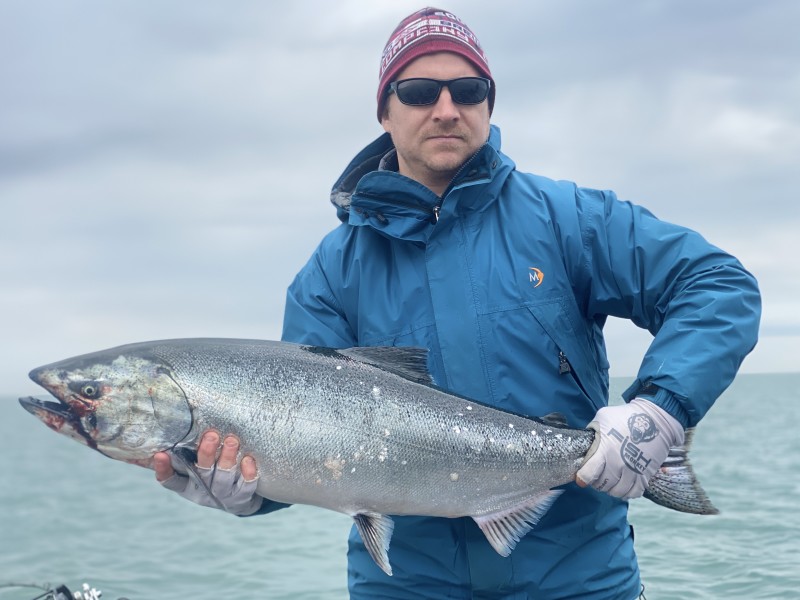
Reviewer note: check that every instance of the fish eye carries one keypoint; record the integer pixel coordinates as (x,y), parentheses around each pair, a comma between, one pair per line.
(90,390)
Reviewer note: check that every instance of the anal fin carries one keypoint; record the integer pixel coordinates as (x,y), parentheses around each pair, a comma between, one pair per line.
(505,529)
(376,530)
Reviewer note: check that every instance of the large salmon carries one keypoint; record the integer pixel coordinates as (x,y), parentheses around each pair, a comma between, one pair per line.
(362,431)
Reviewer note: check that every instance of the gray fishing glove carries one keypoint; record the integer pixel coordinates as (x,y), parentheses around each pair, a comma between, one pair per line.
(631,444)
(225,489)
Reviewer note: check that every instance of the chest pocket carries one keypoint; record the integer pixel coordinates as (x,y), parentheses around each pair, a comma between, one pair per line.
(576,347)
(539,360)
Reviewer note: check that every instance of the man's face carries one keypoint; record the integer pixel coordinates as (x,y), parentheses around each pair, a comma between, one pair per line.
(433,141)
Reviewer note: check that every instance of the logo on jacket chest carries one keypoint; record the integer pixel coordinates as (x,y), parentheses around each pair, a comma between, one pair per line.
(535,276)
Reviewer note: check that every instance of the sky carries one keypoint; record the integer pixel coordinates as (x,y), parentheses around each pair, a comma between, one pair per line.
(165,167)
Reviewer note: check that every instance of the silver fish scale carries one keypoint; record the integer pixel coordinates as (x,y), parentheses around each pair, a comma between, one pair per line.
(345,435)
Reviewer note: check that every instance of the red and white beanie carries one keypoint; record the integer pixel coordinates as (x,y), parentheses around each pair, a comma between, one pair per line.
(424,32)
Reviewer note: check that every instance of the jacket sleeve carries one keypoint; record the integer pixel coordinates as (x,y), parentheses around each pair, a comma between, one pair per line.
(312,314)
(700,304)
(312,317)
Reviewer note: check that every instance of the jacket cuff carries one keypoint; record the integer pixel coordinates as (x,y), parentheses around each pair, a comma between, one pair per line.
(659,396)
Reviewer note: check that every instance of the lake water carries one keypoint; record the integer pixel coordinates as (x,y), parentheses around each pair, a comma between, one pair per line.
(71,516)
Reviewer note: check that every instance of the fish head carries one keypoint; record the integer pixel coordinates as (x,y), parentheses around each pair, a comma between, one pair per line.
(126,406)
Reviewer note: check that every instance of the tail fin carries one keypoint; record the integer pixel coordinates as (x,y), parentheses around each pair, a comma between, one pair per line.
(675,485)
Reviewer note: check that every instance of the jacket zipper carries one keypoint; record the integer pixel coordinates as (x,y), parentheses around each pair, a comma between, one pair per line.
(438,207)
(434,212)
(565,368)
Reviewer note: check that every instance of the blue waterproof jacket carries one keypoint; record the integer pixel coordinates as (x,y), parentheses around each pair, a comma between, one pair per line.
(509,289)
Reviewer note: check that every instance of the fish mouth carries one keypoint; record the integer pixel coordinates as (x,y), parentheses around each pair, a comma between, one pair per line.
(60,409)
(60,417)
(37,407)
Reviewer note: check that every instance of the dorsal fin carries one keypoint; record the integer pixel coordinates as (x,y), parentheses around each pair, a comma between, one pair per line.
(376,530)
(554,418)
(410,363)
(504,529)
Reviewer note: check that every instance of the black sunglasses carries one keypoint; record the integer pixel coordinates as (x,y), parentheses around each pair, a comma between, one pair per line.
(421,91)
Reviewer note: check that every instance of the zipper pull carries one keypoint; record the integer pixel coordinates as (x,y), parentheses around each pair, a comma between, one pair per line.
(436,210)
(563,363)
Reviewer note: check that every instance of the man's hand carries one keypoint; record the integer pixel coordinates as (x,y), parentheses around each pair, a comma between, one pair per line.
(631,444)
(233,487)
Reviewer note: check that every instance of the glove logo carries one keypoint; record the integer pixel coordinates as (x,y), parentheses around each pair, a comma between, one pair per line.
(631,454)
(642,428)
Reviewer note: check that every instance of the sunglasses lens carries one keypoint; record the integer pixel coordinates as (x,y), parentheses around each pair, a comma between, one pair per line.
(469,90)
(421,92)
(418,92)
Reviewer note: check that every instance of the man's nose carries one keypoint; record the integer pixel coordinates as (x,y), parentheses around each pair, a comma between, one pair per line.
(445,109)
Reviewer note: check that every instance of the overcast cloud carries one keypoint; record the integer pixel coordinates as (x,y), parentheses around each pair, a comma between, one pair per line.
(165,166)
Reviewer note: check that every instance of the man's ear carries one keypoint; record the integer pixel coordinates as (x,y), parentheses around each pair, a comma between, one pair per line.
(385,119)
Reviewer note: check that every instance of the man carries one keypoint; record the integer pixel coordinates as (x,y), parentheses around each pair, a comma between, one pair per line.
(507,278)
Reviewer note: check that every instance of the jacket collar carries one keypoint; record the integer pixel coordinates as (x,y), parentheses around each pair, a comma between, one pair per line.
(367,193)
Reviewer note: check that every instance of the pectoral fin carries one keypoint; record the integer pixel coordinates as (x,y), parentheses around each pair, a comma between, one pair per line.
(185,458)
(505,529)
(376,530)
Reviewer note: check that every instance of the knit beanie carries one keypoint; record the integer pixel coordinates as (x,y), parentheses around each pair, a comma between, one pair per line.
(424,32)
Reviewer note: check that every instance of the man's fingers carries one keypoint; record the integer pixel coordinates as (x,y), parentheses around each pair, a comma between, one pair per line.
(207,450)
(162,466)
(209,453)
(230,451)
(591,468)
(226,487)
(249,468)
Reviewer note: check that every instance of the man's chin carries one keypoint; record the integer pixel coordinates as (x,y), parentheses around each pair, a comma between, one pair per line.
(446,168)
(445,159)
